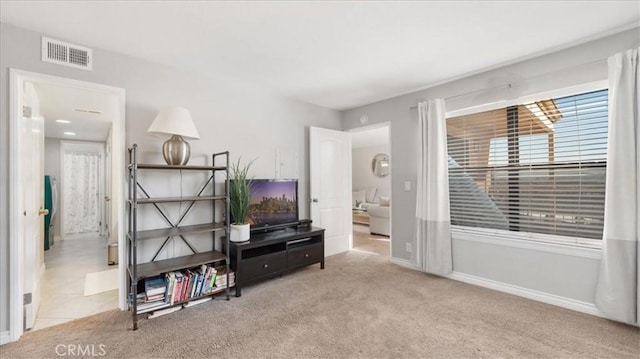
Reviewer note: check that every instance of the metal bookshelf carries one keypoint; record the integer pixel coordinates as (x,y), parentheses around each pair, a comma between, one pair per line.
(138,196)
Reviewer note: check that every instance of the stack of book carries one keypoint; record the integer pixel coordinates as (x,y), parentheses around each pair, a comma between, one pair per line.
(140,298)
(154,289)
(154,293)
(221,281)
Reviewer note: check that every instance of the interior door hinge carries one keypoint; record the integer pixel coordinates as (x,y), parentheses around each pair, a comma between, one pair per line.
(27,298)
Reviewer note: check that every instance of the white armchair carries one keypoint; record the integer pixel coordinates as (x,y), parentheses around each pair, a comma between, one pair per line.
(379,221)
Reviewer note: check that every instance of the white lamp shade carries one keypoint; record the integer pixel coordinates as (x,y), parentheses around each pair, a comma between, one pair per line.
(174,121)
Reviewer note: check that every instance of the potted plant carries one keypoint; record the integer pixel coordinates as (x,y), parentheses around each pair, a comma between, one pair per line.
(240,200)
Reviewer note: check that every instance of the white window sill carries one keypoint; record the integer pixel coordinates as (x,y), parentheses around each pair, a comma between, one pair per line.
(587,248)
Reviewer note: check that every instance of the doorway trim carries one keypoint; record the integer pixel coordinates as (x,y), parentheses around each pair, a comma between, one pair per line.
(373,127)
(17,79)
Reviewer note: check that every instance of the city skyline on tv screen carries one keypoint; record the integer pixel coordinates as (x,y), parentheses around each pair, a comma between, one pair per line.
(272,189)
(273,202)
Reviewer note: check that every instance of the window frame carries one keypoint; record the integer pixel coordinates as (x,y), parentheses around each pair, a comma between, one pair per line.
(531,236)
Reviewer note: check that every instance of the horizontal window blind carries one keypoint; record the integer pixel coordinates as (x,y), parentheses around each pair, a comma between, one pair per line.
(537,167)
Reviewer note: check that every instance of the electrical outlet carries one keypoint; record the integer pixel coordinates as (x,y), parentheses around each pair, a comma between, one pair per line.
(407,185)
(407,247)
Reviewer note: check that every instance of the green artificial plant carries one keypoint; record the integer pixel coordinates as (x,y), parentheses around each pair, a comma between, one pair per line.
(240,191)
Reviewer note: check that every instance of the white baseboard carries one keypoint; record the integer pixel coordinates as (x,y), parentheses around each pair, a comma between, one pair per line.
(5,337)
(404,263)
(568,303)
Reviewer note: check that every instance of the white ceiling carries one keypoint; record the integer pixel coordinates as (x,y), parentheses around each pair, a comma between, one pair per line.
(370,137)
(90,113)
(338,54)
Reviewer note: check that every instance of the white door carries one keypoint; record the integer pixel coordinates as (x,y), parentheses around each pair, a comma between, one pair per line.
(330,153)
(32,179)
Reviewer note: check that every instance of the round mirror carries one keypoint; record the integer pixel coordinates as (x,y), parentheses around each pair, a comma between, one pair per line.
(380,165)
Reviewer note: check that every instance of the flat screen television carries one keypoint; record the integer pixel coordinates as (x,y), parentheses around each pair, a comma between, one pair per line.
(274,203)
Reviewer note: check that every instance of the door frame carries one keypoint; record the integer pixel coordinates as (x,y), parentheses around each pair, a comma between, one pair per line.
(390,154)
(17,78)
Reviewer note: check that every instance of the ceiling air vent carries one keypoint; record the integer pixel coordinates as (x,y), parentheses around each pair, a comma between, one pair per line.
(64,53)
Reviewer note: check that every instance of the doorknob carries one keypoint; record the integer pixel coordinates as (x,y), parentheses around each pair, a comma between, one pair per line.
(43,211)
(107,199)
(314,200)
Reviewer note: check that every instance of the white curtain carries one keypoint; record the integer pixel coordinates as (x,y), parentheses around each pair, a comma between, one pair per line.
(433,232)
(618,282)
(81,192)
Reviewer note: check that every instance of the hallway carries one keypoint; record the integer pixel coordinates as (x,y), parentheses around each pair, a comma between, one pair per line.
(63,284)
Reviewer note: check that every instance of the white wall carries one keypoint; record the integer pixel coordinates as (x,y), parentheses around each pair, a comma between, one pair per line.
(229,115)
(363,177)
(567,274)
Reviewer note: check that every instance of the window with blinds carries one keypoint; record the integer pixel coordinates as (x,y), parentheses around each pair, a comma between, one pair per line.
(537,167)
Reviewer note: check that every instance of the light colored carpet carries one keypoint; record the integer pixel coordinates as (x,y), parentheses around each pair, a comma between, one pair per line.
(360,306)
(99,282)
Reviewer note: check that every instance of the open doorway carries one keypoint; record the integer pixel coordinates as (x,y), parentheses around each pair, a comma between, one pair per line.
(371,182)
(50,272)
(77,126)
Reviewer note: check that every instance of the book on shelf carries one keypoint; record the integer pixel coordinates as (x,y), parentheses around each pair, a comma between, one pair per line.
(161,312)
(181,286)
(170,279)
(192,278)
(211,278)
(154,298)
(150,305)
(197,283)
(197,301)
(221,278)
(204,271)
(140,298)
(155,285)
(192,283)
(177,287)
(189,282)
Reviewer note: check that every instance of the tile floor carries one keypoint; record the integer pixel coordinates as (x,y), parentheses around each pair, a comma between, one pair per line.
(67,264)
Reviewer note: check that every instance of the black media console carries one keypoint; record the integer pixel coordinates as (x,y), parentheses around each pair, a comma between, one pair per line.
(270,254)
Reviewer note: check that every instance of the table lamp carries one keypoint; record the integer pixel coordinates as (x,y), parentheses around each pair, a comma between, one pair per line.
(177,122)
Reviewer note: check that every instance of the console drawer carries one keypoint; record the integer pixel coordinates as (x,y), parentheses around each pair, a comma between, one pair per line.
(262,265)
(304,255)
